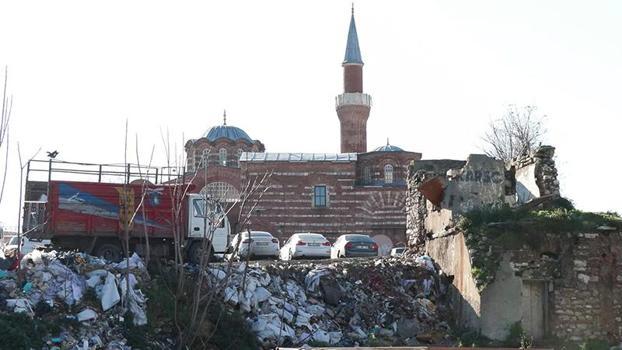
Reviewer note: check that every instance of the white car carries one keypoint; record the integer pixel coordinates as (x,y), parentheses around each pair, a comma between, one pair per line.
(305,245)
(399,251)
(27,245)
(257,244)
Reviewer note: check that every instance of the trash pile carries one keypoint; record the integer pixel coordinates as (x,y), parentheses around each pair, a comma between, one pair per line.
(86,294)
(383,301)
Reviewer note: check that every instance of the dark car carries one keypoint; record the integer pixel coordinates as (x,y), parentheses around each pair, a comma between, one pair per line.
(353,245)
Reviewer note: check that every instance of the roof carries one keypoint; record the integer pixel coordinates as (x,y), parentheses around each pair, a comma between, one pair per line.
(388,148)
(353,51)
(297,157)
(228,132)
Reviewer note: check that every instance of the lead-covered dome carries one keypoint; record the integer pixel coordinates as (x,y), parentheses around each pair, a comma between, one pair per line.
(228,132)
(388,148)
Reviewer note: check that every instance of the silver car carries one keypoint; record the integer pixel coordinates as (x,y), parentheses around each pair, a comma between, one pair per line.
(255,244)
(353,245)
(312,245)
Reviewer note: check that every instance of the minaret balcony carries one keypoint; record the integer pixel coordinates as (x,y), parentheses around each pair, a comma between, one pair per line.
(353,98)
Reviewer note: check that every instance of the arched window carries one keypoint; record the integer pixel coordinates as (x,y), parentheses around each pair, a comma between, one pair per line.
(204,158)
(388,174)
(222,157)
(221,191)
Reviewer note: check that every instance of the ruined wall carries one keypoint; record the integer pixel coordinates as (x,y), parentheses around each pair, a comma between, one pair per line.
(501,302)
(570,287)
(452,255)
(536,174)
(586,301)
(417,211)
(439,191)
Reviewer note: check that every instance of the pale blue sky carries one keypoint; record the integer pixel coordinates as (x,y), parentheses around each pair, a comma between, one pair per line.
(438,71)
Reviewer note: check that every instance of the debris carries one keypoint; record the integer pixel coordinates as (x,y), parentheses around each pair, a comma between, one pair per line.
(54,283)
(110,294)
(86,315)
(342,303)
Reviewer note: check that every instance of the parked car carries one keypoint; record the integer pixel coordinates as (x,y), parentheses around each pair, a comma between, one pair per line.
(305,245)
(28,245)
(258,244)
(353,245)
(398,251)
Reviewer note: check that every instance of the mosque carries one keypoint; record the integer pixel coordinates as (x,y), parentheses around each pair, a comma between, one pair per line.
(354,191)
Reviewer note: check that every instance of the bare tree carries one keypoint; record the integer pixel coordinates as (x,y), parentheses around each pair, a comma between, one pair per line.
(5,118)
(516,133)
(197,293)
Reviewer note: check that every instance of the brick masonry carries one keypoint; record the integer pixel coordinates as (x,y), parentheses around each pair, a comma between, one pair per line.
(354,205)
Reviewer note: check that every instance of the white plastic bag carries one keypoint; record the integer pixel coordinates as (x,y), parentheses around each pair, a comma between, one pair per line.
(110,293)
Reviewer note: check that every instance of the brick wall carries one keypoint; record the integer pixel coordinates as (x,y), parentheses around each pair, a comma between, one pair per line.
(287,207)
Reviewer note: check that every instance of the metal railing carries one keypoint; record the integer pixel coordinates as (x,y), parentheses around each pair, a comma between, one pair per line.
(34,216)
(47,170)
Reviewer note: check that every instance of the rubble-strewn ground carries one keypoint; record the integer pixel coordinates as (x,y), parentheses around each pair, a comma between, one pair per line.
(68,300)
(383,301)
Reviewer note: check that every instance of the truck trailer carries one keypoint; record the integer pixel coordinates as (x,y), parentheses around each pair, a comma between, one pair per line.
(94,217)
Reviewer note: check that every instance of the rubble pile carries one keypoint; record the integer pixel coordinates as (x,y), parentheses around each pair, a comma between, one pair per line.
(84,294)
(383,301)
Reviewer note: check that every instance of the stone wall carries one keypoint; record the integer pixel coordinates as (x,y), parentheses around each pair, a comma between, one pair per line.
(569,287)
(587,298)
(536,174)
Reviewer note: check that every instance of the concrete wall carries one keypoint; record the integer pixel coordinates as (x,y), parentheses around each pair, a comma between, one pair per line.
(502,302)
(451,253)
(480,182)
(510,298)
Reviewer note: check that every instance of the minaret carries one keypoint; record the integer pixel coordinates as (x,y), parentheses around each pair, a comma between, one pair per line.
(353,105)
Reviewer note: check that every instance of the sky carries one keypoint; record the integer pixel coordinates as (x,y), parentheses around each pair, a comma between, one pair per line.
(438,73)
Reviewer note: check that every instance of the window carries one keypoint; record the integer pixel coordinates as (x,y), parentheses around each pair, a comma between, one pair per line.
(319,196)
(366,175)
(204,158)
(388,174)
(222,157)
(199,210)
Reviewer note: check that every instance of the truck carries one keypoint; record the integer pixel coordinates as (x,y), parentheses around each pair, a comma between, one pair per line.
(94,216)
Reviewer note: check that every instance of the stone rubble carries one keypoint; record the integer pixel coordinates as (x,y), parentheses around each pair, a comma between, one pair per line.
(385,301)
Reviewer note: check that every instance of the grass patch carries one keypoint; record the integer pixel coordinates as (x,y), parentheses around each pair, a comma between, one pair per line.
(21,332)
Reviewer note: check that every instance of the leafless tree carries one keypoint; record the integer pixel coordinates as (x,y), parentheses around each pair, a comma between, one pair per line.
(5,118)
(196,296)
(516,133)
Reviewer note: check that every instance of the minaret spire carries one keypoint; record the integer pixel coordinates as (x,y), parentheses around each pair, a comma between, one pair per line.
(353,51)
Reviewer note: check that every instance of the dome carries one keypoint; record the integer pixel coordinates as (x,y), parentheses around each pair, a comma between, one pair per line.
(388,148)
(228,132)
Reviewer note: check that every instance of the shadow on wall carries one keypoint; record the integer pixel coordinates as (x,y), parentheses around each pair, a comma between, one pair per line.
(466,318)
